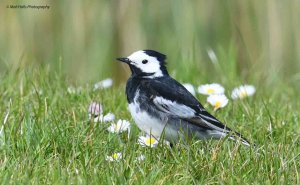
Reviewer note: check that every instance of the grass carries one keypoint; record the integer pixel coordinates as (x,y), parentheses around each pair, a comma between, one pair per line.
(47,138)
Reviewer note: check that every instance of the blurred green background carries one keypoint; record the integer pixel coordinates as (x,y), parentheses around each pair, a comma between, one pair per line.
(253,41)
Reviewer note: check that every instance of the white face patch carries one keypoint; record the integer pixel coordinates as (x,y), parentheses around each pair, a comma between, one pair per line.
(152,65)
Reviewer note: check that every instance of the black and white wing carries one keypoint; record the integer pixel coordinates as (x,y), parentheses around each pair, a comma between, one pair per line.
(171,97)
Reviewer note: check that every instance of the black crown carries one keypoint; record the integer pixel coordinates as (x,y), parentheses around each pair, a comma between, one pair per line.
(160,57)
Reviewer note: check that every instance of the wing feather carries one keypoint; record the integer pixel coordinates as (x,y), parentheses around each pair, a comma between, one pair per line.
(171,97)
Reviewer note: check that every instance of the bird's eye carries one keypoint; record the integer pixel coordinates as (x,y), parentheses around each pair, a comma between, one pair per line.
(145,61)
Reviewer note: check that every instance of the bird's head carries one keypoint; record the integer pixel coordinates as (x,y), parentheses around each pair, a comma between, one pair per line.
(146,63)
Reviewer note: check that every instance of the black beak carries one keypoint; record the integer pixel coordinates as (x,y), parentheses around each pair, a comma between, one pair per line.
(125,60)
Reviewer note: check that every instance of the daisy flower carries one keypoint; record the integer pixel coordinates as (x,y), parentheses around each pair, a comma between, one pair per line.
(114,157)
(95,110)
(73,90)
(106,83)
(217,100)
(148,141)
(121,126)
(190,88)
(209,89)
(140,158)
(243,91)
(109,117)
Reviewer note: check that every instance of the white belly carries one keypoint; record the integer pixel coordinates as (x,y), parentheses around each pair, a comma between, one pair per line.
(146,122)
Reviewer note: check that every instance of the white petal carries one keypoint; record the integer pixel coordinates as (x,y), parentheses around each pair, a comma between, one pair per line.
(71,90)
(114,157)
(209,89)
(112,129)
(143,141)
(109,158)
(103,84)
(141,158)
(123,125)
(109,117)
(119,127)
(217,100)
(243,91)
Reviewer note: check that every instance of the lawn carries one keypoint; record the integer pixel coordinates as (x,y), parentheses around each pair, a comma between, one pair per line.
(50,60)
(47,137)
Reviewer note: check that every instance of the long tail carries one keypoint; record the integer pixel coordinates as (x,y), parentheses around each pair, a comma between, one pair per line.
(217,129)
(239,137)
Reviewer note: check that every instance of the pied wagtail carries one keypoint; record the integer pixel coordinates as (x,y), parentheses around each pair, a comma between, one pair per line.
(161,105)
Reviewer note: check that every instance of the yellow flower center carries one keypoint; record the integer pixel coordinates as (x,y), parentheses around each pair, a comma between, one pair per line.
(217,105)
(150,141)
(115,156)
(243,94)
(210,91)
(117,127)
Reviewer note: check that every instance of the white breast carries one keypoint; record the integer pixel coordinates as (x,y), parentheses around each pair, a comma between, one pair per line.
(150,124)
(146,122)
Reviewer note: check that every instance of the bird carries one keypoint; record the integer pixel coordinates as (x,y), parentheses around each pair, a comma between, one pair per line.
(161,106)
